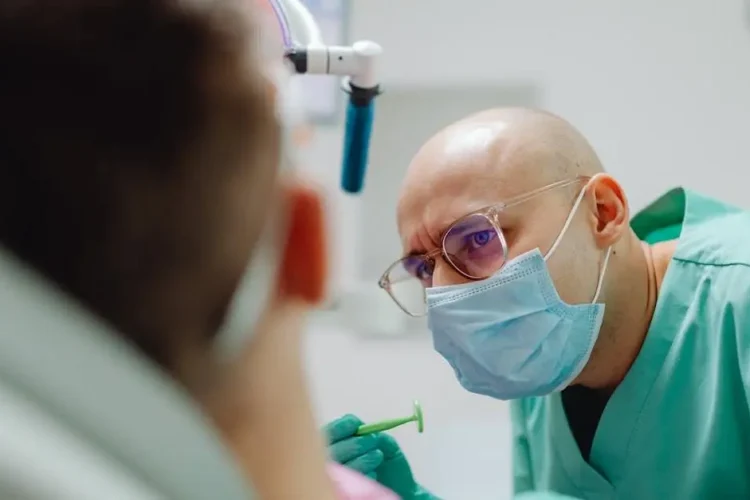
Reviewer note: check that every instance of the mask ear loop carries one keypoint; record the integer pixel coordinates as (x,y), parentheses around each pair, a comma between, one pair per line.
(568,221)
(602,272)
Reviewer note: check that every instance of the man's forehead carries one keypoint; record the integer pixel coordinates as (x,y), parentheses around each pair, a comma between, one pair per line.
(435,198)
(453,161)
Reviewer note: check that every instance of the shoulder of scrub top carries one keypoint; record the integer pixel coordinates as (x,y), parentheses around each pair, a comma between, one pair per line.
(711,232)
(710,268)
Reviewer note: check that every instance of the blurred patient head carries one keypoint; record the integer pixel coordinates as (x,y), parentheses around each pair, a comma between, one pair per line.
(500,155)
(139,149)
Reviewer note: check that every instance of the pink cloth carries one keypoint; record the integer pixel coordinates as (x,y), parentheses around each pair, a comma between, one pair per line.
(351,485)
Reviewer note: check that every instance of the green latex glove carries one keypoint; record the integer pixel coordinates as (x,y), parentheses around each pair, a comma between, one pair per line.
(377,456)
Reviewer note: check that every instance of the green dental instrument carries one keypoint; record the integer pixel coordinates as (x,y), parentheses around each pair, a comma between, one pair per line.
(393,423)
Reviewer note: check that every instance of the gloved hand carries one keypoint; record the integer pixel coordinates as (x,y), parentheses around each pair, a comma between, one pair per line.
(377,456)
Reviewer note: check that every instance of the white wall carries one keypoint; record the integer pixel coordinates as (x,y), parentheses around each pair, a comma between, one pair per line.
(661,89)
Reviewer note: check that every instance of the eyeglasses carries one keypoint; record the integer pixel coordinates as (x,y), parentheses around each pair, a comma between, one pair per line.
(474,245)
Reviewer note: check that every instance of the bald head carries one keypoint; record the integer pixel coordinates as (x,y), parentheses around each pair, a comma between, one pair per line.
(523,148)
(489,157)
(494,156)
(538,135)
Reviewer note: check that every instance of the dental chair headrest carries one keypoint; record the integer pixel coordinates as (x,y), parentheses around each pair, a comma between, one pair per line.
(74,397)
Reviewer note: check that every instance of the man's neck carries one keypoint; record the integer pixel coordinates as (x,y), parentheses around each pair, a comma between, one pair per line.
(630,308)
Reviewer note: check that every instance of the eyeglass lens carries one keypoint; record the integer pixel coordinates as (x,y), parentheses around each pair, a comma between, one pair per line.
(472,245)
(408,280)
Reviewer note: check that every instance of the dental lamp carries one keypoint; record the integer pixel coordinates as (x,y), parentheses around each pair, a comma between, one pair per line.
(308,54)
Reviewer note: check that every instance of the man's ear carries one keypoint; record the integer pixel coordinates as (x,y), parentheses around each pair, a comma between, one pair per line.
(611,210)
(303,271)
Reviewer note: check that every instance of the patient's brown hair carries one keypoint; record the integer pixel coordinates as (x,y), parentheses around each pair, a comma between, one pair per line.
(138,145)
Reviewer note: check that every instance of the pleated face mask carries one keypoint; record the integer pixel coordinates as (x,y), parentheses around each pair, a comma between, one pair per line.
(512,336)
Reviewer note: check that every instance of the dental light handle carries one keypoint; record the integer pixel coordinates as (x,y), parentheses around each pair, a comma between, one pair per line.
(357,65)
(359,116)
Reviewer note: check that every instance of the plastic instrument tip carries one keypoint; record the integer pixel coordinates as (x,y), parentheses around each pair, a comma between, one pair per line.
(419,416)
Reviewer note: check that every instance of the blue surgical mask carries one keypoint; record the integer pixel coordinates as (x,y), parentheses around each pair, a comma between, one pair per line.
(512,336)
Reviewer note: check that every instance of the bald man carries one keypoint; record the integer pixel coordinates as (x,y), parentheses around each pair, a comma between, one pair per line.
(623,345)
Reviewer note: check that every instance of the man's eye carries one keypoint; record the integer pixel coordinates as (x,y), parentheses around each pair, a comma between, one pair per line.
(425,269)
(480,238)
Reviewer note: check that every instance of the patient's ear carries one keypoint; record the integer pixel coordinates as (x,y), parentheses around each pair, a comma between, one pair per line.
(303,271)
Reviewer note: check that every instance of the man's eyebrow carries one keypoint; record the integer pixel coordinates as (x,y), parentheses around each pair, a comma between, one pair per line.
(458,226)
(415,253)
(415,250)
(415,247)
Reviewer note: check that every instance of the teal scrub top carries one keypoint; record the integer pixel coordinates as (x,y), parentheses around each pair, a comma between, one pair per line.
(678,426)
